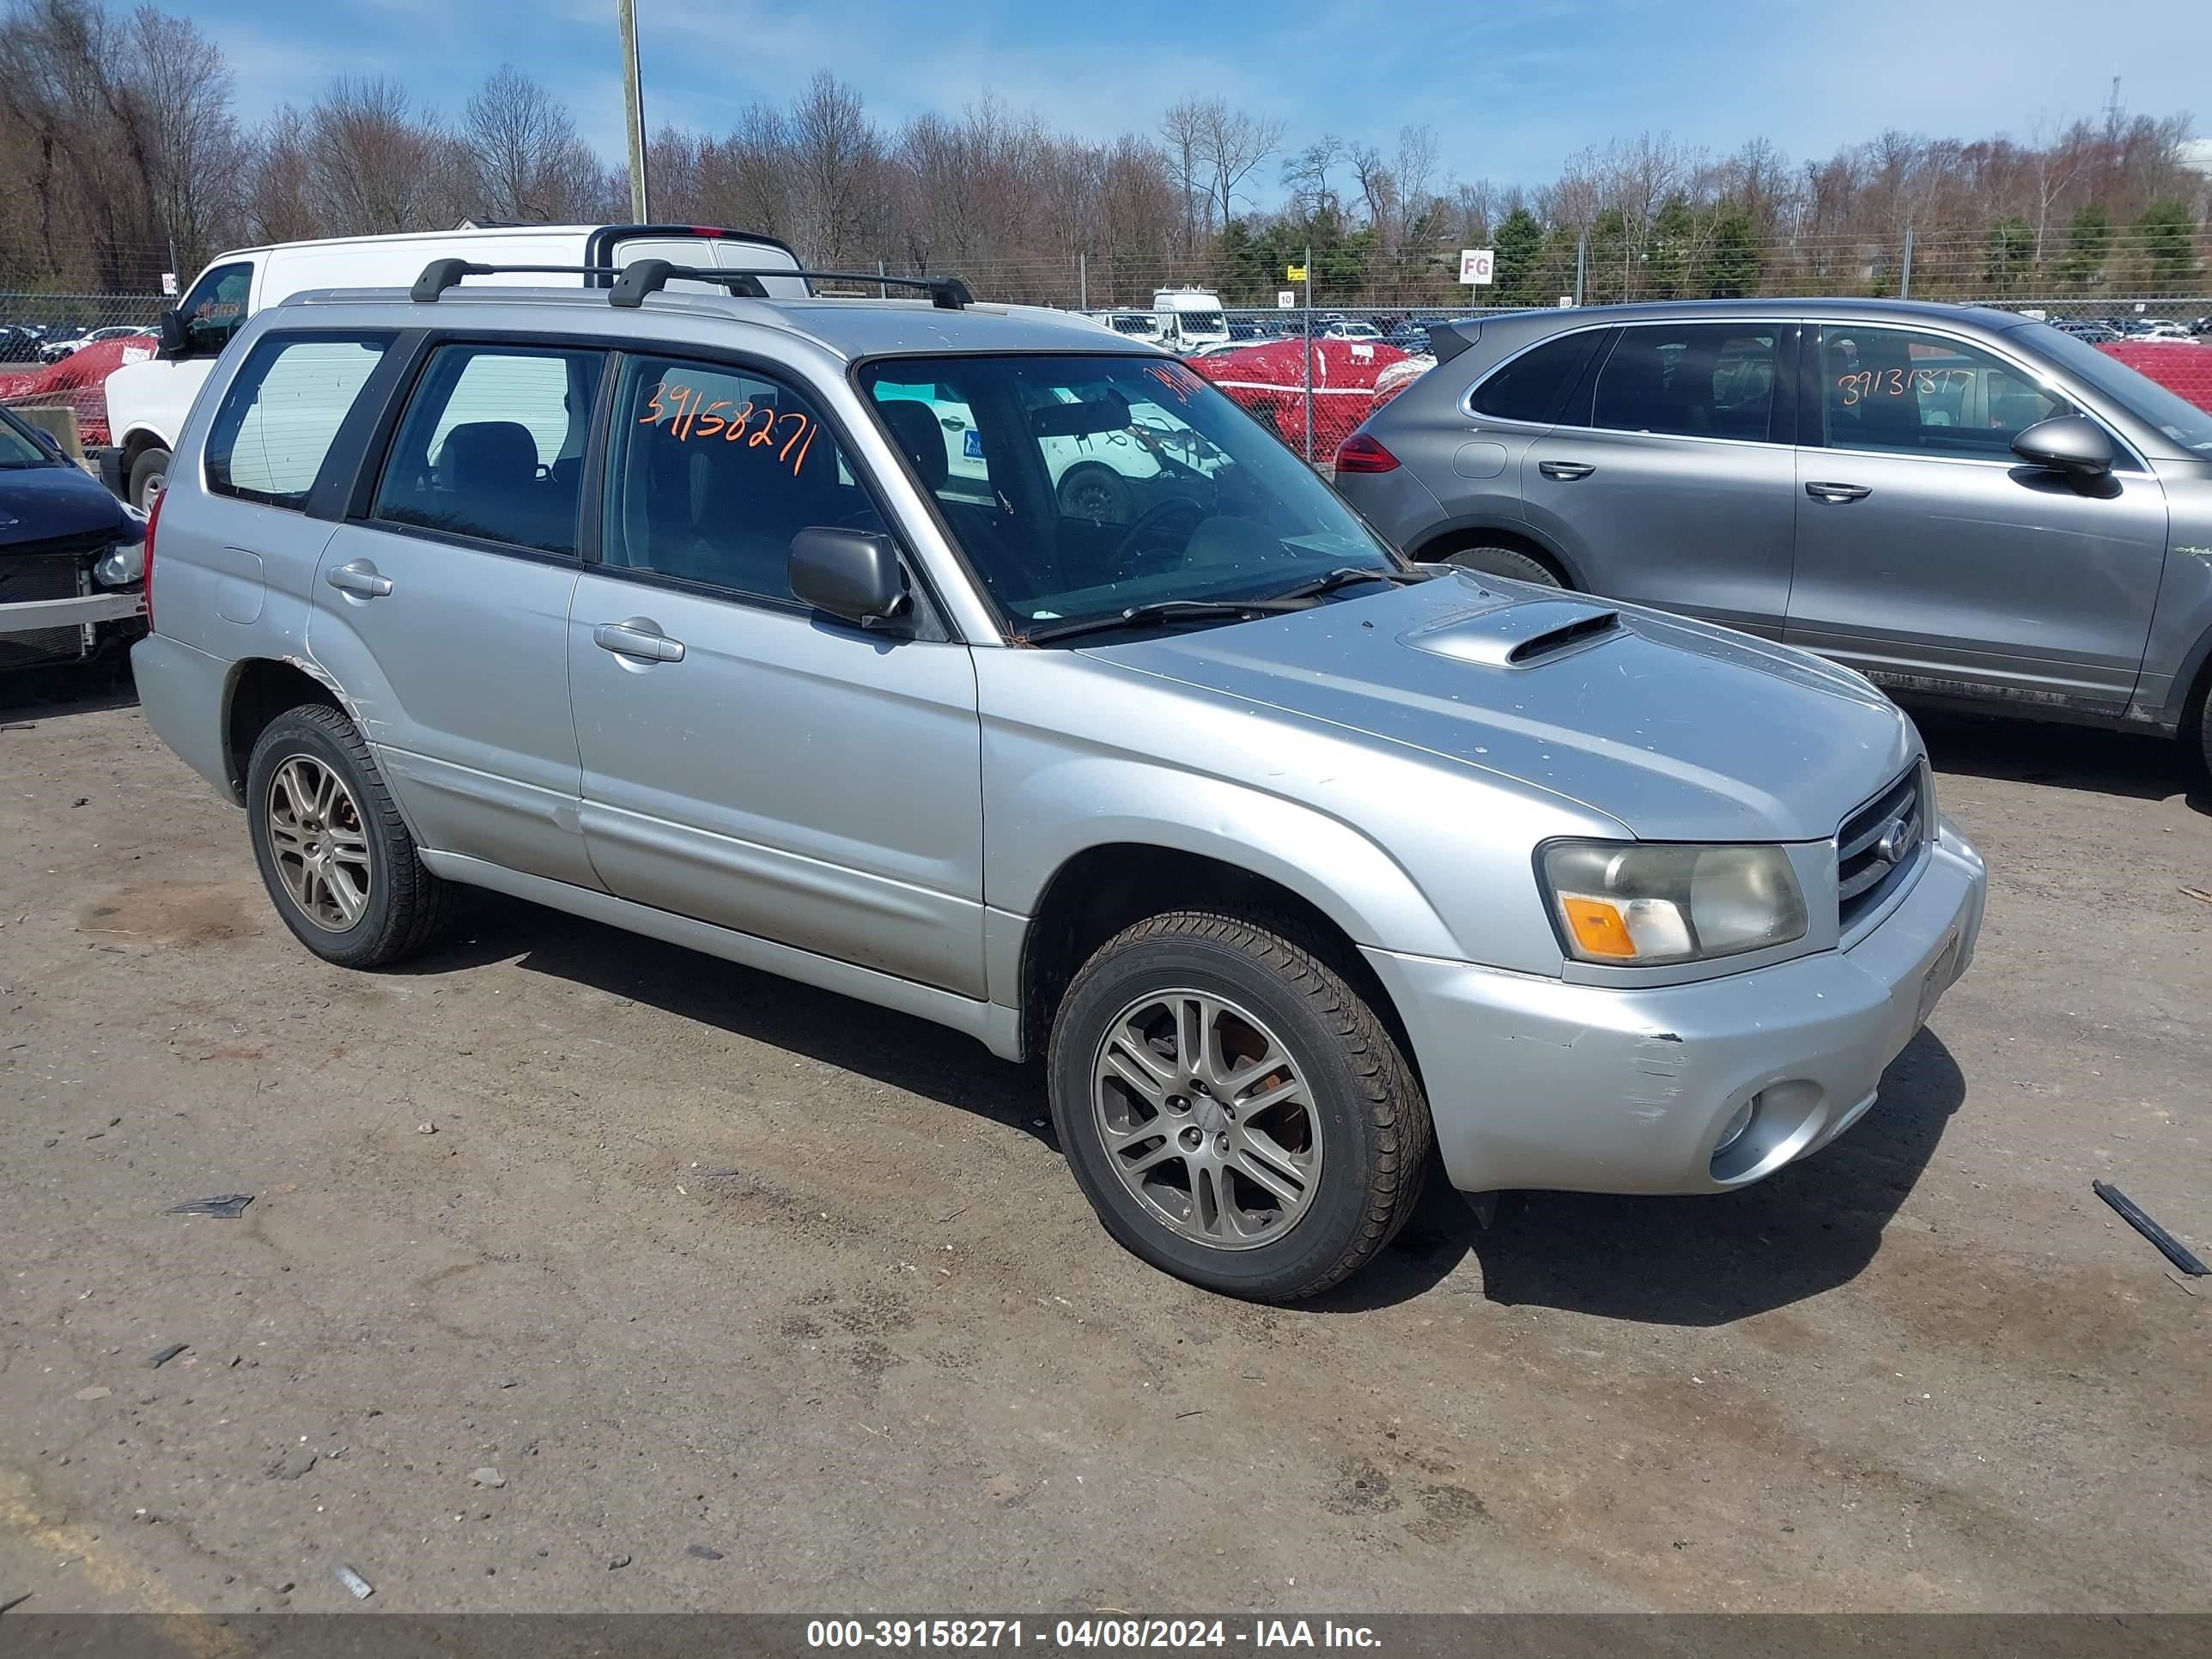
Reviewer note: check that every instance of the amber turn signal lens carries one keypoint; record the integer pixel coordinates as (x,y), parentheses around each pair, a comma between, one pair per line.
(1599,929)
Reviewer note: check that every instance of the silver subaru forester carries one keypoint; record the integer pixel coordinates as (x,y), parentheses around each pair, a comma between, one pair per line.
(774,628)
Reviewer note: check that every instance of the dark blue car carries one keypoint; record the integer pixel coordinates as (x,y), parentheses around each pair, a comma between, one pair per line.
(72,557)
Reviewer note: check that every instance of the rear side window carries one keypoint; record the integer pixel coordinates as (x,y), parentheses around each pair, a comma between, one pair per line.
(492,445)
(712,470)
(279,419)
(1535,385)
(1690,380)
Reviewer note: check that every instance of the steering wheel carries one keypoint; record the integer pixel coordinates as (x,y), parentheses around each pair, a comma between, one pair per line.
(1150,523)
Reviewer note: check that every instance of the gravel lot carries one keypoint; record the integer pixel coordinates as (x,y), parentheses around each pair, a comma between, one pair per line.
(572,1252)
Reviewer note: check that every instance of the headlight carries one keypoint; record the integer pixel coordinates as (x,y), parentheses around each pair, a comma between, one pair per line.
(1645,902)
(119,567)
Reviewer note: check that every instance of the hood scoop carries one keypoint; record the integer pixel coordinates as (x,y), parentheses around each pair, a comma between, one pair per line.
(1519,636)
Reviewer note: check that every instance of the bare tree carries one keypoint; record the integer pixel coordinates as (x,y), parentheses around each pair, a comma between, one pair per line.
(836,151)
(182,90)
(377,167)
(1232,143)
(280,193)
(1183,130)
(1305,174)
(529,164)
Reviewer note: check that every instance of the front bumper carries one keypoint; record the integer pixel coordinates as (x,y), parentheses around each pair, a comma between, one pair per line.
(1535,1083)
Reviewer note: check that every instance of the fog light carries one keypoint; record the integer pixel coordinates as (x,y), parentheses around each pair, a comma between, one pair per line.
(1737,1124)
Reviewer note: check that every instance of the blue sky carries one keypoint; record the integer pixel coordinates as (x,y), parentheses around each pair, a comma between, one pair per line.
(1511,90)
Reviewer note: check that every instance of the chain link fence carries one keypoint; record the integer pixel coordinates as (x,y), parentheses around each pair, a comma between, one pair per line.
(57,350)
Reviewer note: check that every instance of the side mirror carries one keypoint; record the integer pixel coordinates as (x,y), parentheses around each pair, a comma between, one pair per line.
(176,342)
(2068,444)
(851,573)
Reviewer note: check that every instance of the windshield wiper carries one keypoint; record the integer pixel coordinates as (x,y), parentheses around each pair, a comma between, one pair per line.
(1167,611)
(1345,576)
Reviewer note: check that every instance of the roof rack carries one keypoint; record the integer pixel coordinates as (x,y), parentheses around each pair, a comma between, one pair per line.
(633,282)
(441,274)
(643,276)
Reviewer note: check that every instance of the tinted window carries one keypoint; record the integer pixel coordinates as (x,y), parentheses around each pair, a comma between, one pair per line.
(492,445)
(1535,385)
(216,306)
(1689,380)
(279,417)
(712,472)
(1899,389)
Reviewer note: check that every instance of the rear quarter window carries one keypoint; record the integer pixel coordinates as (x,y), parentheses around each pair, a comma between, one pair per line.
(279,417)
(1535,386)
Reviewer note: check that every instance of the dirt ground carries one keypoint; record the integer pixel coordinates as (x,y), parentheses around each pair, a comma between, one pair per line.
(584,1273)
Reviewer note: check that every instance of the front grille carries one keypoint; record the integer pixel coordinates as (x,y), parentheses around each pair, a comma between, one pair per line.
(1878,846)
(49,577)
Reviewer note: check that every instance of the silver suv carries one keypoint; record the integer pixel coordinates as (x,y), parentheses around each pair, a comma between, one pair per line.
(672,611)
(1962,504)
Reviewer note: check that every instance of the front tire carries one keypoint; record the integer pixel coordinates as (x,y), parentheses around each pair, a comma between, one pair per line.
(1233,1109)
(149,477)
(336,857)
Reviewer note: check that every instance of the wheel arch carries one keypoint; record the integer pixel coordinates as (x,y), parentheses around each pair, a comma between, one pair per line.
(1441,542)
(261,689)
(1095,892)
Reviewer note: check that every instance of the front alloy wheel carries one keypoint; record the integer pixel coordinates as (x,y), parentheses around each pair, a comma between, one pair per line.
(1207,1119)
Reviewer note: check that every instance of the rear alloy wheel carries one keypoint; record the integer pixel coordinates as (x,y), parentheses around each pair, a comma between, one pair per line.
(1233,1109)
(336,859)
(1507,562)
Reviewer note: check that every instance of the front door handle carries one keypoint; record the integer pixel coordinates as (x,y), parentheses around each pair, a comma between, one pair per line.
(637,638)
(359,577)
(1838,492)
(1566,470)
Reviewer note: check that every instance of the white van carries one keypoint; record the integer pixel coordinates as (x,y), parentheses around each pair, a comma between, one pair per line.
(1191,319)
(147,401)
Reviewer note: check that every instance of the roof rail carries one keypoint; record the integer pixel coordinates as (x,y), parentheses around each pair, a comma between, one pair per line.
(441,274)
(642,276)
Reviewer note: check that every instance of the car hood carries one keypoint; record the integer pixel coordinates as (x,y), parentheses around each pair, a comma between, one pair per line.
(1676,730)
(48,503)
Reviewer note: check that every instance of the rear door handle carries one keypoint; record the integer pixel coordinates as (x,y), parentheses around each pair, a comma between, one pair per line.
(1838,492)
(637,638)
(1566,470)
(359,577)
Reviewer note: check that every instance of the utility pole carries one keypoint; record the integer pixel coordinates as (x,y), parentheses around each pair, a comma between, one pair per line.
(634,108)
(1905,275)
(1309,333)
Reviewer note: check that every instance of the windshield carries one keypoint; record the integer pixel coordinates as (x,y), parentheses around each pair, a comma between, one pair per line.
(2187,426)
(1202,322)
(17,446)
(1080,486)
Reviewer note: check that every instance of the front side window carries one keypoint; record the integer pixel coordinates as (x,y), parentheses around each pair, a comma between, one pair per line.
(215,308)
(1535,386)
(278,418)
(1690,380)
(1113,482)
(713,470)
(492,445)
(1899,389)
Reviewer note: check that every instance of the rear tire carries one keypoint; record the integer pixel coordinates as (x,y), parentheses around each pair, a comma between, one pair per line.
(149,477)
(1507,562)
(1292,1136)
(336,857)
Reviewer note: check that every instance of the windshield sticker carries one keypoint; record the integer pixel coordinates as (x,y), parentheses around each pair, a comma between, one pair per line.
(688,415)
